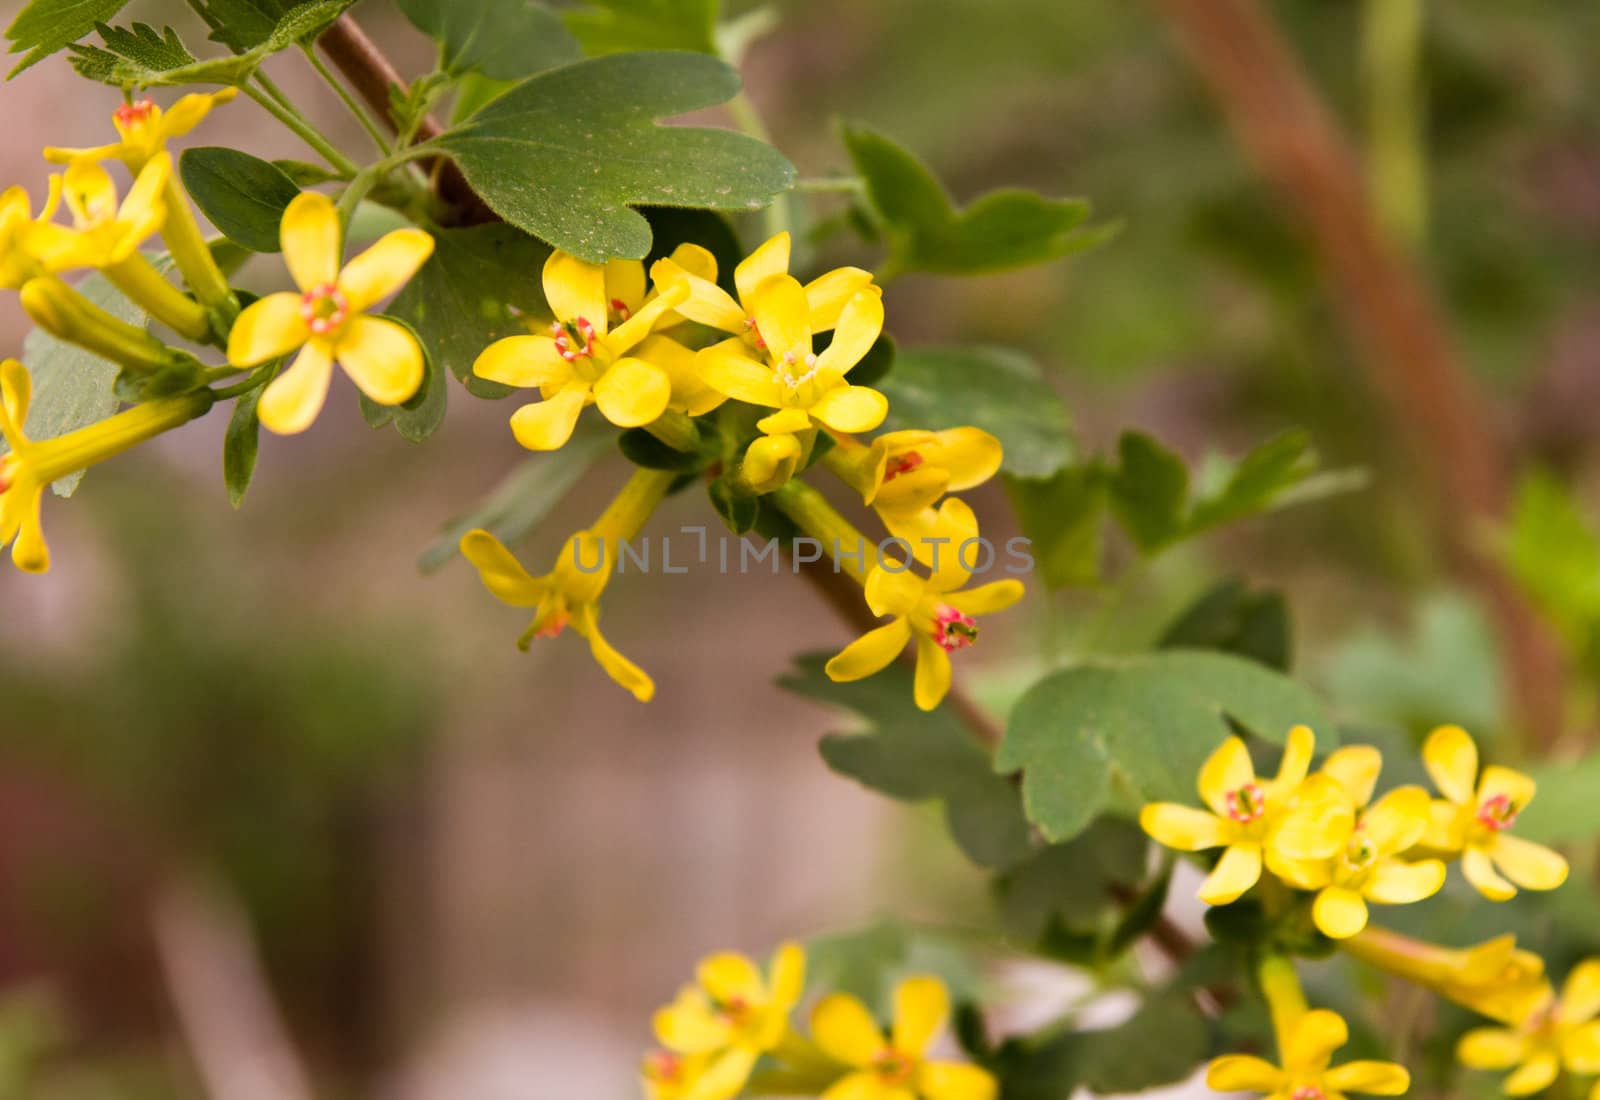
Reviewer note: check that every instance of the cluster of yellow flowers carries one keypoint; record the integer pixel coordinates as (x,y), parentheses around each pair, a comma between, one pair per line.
(716,1032)
(1320,836)
(327,318)
(622,342)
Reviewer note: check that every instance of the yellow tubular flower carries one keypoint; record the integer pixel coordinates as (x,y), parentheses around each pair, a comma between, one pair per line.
(1246,815)
(1475,815)
(895,1066)
(31,247)
(602,314)
(145,129)
(730,1017)
(769,462)
(710,305)
(1306,1073)
(905,472)
(801,385)
(934,610)
(1366,868)
(328,318)
(31,465)
(1494,978)
(1562,1034)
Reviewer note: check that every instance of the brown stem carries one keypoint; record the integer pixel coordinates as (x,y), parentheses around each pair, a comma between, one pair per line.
(1283,125)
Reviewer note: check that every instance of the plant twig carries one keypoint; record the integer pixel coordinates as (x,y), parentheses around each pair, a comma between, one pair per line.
(1283,125)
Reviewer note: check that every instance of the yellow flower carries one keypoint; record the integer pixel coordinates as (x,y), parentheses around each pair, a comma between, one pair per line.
(710,305)
(568,595)
(669,1076)
(1356,767)
(585,359)
(895,1066)
(1248,815)
(328,318)
(801,385)
(770,462)
(31,247)
(933,609)
(1494,978)
(1306,1073)
(1366,868)
(1562,1033)
(1475,815)
(902,473)
(111,231)
(731,1016)
(145,128)
(32,465)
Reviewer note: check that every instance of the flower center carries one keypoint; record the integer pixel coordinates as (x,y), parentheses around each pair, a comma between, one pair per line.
(1247,803)
(574,339)
(130,115)
(902,464)
(953,630)
(663,1065)
(892,1067)
(791,360)
(1307,1092)
(324,308)
(1498,813)
(735,1010)
(1359,854)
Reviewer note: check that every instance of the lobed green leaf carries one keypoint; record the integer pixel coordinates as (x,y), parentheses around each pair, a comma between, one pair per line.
(500,39)
(45,27)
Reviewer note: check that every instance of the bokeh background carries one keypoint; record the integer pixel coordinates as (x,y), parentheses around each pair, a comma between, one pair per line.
(258,751)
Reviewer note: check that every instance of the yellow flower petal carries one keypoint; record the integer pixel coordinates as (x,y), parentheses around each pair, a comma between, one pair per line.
(1491,1048)
(547,425)
(1298,748)
(707,303)
(1529,865)
(1313,1041)
(576,289)
(844,1029)
(782,317)
(1243,1073)
(1534,1075)
(870,653)
(653,313)
(828,293)
(90,194)
(1339,912)
(1357,767)
(772,258)
(188,112)
(625,283)
(309,234)
(1319,823)
(859,326)
(1224,771)
(921,1005)
(932,679)
(502,574)
(725,368)
(955,1081)
(16,391)
(1396,882)
(851,409)
(1580,1049)
(971,455)
(382,358)
(292,400)
(1451,758)
(385,267)
(267,329)
(1447,830)
(696,260)
(30,553)
(725,1077)
(1183,827)
(1479,869)
(785,421)
(986,599)
(524,362)
(893,591)
(632,392)
(1580,996)
(1373,1078)
(1513,786)
(689,1026)
(585,620)
(862,1085)
(690,394)
(1302,874)
(769,462)
(788,980)
(730,976)
(1398,820)
(1237,871)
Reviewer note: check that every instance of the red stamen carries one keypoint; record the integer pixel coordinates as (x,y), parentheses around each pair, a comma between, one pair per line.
(324,308)
(620,308)
(1247,804)
(902,464)
(755,333)
(1308,1092)
(564,334)
(553,626)
(1498,813)
(130,114)
(892,1068)
(953,630)
(663,1065)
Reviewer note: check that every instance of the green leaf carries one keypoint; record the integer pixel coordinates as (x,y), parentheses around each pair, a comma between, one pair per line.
(73,388)
(45,27)
(868,962)
(1269,470)
(473,290)
(131,51)
(1000,230)
(249,25)
(1149,491)
(303,173)
(1061,517)
(1146,723)
(997,390)
(739,510)
(1231,618)
(244,196)
(525,497)
(1071,887)
(643,449)
(617,26)
(1554,553)
(502,39)
(584,131)
(1565,810)
(918,756)
(421,416)
(240,443)
(671,226)
(874,365)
